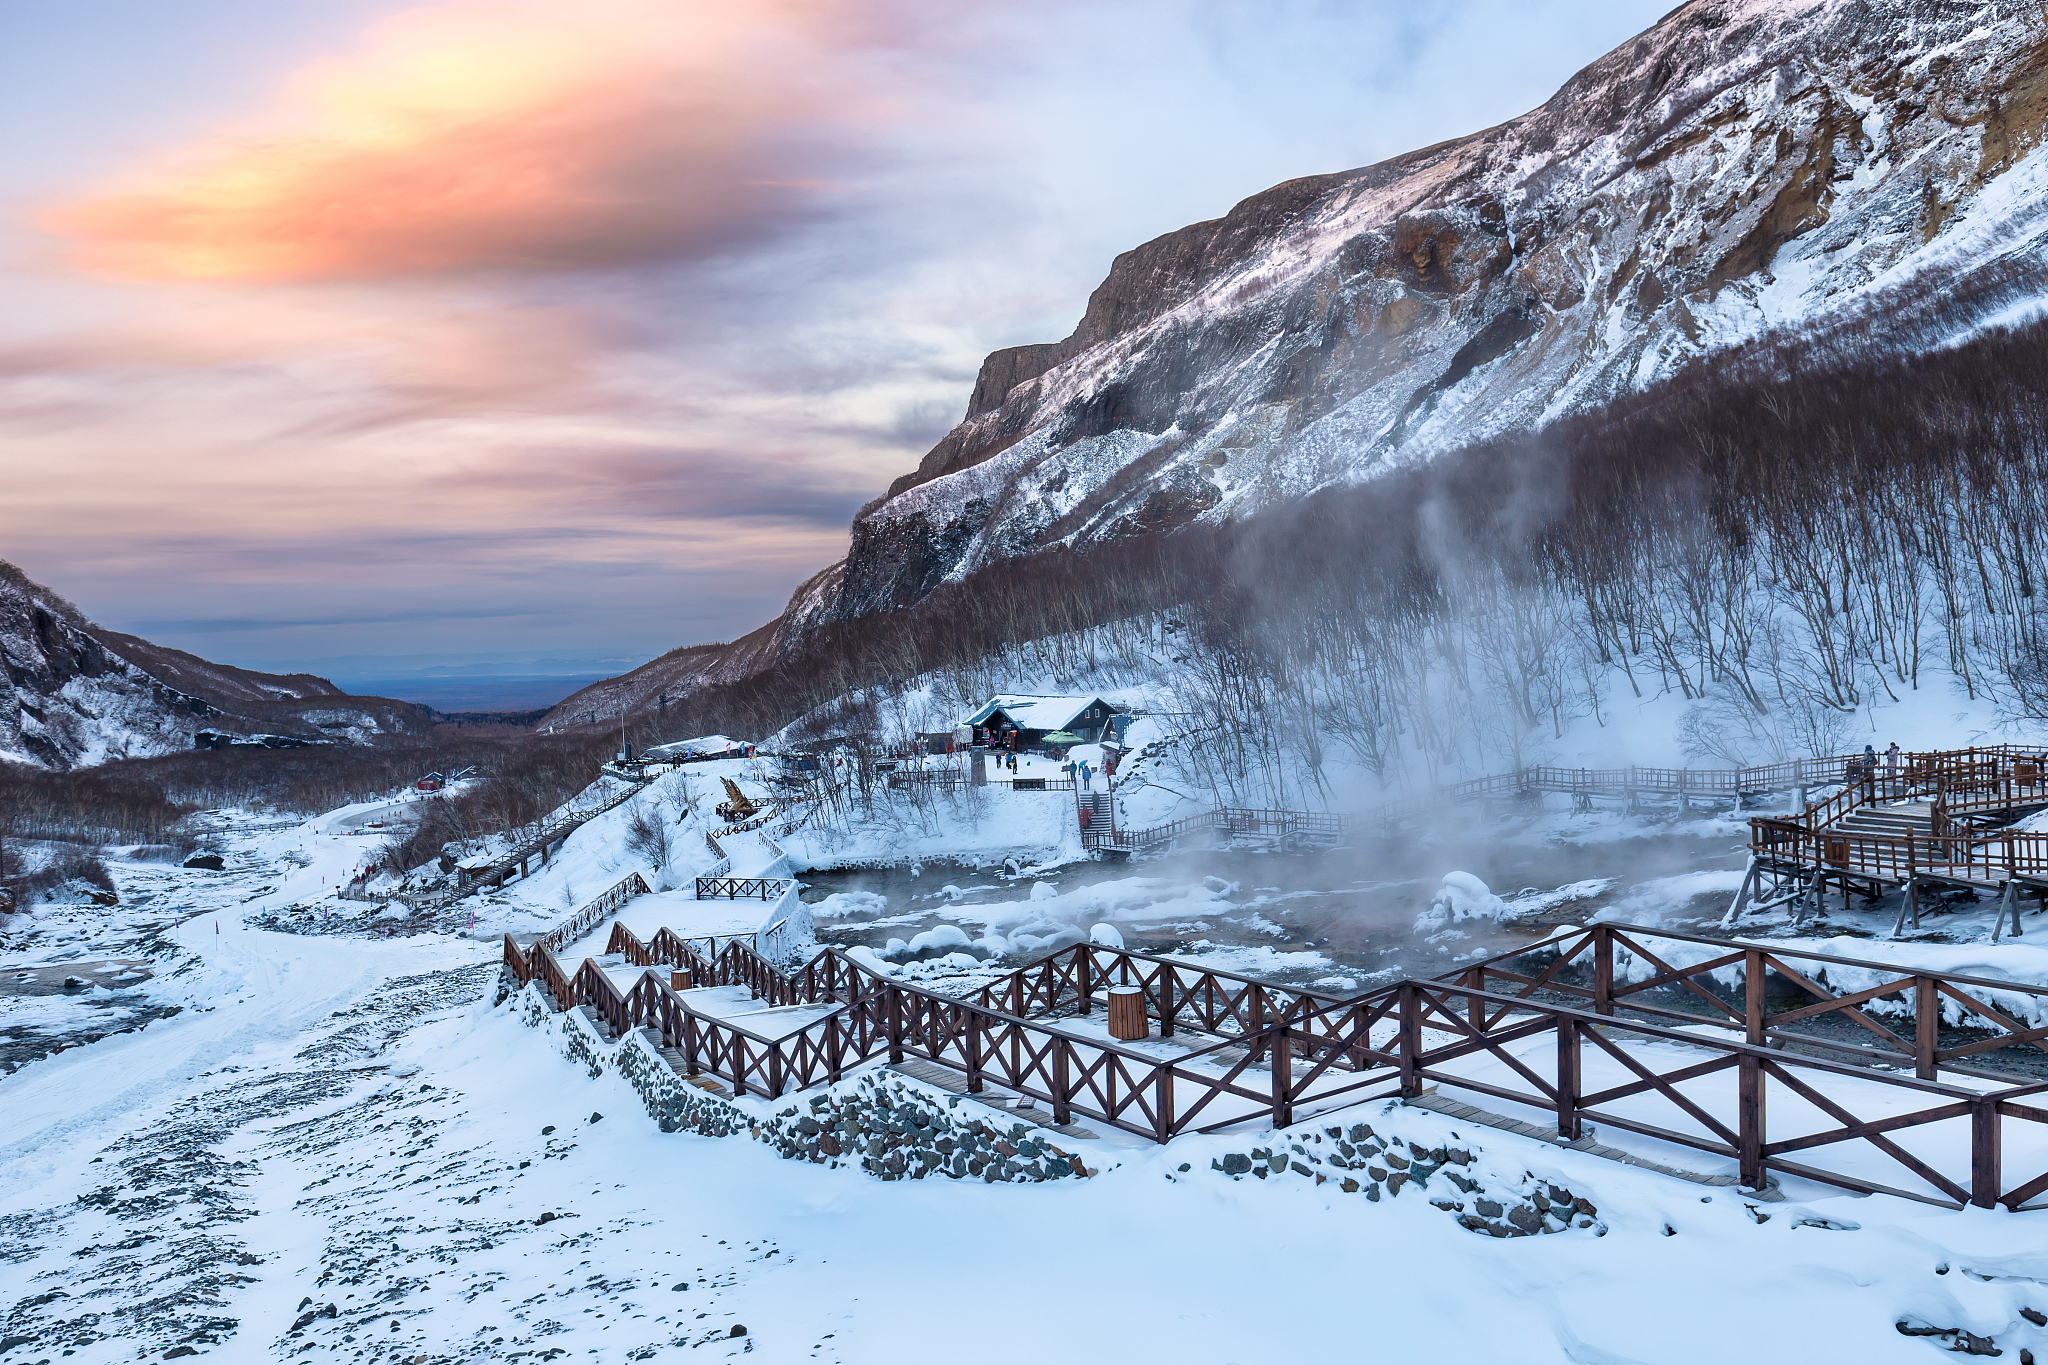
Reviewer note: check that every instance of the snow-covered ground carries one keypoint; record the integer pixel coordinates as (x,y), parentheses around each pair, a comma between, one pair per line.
(347,1119)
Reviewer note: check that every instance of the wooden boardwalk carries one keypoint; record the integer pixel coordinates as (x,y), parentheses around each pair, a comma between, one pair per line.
(1936,821)
(1679,1042)
(1096,813)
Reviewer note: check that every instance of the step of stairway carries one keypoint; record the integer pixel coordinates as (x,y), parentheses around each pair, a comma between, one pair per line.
(1876,821)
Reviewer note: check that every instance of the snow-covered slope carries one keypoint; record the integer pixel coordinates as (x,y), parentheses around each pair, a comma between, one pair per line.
(1743,171)
(79,695)
(1744,166)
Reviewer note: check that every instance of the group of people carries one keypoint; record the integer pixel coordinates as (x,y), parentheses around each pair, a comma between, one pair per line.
(1891,760)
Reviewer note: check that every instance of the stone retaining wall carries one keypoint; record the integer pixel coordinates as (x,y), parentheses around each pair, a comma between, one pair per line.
(891,1126)
(898,1129)
(1361,1160)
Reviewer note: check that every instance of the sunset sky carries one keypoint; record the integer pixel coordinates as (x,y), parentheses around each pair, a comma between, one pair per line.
(519,326)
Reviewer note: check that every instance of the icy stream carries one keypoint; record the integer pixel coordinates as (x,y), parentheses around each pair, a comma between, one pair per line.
(1341,919)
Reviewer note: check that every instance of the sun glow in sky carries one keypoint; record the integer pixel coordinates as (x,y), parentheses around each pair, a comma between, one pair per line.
(483,325)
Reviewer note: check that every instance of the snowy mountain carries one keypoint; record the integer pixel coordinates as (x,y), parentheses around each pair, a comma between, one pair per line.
(1744,166)
(1745,169)
(79,695)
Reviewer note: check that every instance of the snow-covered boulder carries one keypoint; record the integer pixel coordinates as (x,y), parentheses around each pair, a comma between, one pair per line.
(1462,896)
(940,938)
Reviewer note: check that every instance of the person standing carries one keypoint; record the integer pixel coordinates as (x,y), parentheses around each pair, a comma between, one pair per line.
(1891,760)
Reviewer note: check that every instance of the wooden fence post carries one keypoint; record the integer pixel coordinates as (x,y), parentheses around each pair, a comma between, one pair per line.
(1926,1026)
(835,1049)
(1084,965)
(1062,1111)
(1475,1008)
(1162,1107)
(1283,1077)
(1749,1121)
(895,1023)
(1166,981)
(974,1040)
(1753,996)
(1410,1043)
(1603,969)
(1255,1007)
(1568,1078)
(1986,1177)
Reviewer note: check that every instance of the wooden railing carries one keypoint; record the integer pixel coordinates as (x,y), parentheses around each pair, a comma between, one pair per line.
(1226,820)
(1704,783)
(590,916)
(1265,1053)
(1959,782)
(741,888)
(1986,857)
(1730,990)
(534,841)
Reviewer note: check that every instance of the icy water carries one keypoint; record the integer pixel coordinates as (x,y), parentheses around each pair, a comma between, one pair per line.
(1342,918)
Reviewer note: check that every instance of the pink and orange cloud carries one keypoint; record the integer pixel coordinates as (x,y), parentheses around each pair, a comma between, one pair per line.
(526,135)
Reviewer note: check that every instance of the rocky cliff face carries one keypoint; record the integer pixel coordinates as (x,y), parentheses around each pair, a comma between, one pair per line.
(79,695)
(1743,167)
(1746,168)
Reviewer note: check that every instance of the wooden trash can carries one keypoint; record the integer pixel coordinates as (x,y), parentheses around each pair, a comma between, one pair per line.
(680,981)
(1127,1020)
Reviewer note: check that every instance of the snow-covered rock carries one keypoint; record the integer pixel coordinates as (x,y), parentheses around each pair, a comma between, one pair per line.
(1462,896)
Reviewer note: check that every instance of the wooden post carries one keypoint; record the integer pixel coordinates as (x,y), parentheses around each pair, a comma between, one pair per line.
(1283,1078)
(1062,1112)
(1749,1121)
(1410,1043)
(1986,1178)
(1127,1021)
(681,981)
(1603,969)
(1162,1106)
(974,1041)
(1255,1005)
(2008,902)
(775,1071)
(1926,1026)
(1166,984)
(1753,996)
(1084,965)
(1475,1008)
(736,1054)
(1568,1078)
(1742,893)
(835,1049)
(895,1023)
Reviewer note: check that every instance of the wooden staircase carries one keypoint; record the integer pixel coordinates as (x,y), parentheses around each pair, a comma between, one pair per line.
(1896,820)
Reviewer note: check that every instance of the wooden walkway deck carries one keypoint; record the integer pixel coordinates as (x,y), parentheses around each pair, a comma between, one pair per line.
(1676,1042)
(1936,820)
(1097,816)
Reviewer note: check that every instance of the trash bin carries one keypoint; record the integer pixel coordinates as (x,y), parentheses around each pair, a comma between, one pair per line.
(1127,1020)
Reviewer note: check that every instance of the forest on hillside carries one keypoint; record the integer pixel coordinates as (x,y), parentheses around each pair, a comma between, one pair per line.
(1778,537)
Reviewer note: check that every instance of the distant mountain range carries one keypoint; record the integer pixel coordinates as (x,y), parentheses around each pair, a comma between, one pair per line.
(1744,170)
(81,695)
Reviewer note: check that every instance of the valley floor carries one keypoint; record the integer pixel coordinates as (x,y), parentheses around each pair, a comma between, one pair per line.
(338,1147)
